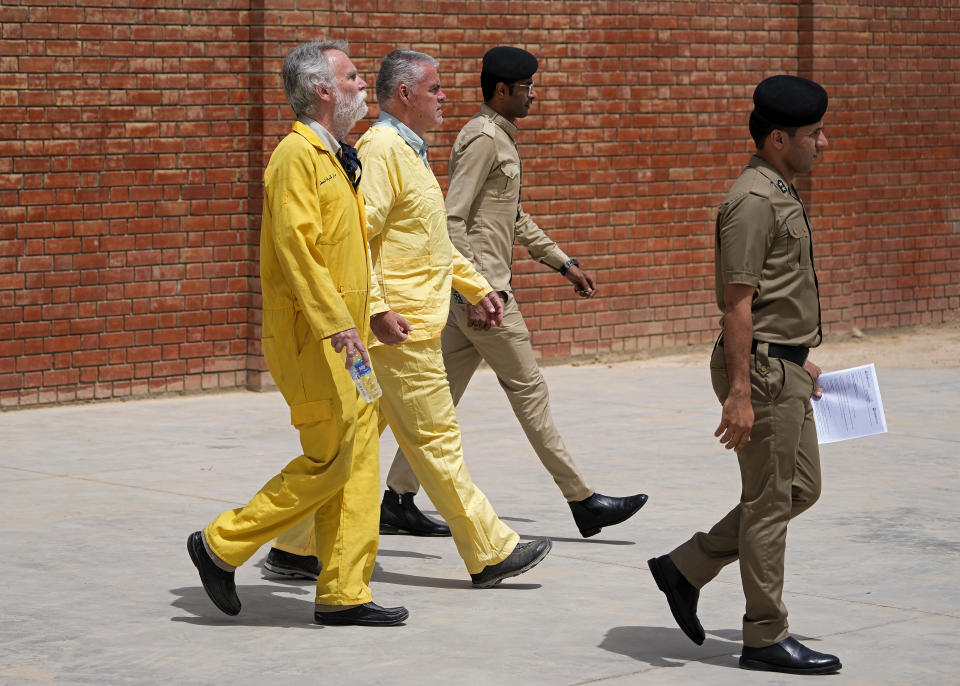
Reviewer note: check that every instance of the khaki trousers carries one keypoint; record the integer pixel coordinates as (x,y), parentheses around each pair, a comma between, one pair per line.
(336,479)
(417,405)
(780,475)
(508,351)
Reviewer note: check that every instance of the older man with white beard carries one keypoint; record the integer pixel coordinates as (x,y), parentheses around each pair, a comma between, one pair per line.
(316,282)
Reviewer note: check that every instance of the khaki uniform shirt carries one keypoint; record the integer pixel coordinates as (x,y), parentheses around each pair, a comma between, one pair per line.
(764,240)
(484,217)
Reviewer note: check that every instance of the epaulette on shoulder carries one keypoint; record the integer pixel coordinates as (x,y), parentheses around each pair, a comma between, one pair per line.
(472,132)
(760,185)
(740,195)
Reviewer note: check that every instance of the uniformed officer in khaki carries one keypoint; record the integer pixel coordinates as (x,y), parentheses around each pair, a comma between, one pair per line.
(485,219)
(768,292)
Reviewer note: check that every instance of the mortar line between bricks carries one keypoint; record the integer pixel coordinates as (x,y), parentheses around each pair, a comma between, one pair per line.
(136,487)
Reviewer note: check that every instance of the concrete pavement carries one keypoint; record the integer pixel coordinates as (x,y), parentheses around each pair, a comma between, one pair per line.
(97,501)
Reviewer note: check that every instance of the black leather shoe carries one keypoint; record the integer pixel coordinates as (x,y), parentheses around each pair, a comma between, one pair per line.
(599,511)
(368,614)
(217,582)
(399,514)
(524,557)
(681,595)
(790,656)
(282,563)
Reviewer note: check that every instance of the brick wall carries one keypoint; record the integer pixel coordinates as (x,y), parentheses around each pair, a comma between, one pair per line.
(134,134)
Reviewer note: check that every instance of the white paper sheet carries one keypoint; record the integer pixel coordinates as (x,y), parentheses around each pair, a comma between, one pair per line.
(851,406)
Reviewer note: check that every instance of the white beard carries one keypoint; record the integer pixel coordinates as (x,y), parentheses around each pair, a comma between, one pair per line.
(346,113)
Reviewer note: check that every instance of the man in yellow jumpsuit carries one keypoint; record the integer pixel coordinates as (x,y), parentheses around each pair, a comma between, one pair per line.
(316,282)
(415,266)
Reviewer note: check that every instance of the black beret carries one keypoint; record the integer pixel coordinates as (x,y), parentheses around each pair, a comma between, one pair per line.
(786,100)
(509,64)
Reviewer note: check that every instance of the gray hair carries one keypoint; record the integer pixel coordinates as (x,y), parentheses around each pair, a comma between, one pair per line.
(400,66)
(306,67)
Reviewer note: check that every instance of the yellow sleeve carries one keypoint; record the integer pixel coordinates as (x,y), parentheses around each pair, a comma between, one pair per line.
(380,185)
(378,303)
(297,227)
(379,182)
(467,280)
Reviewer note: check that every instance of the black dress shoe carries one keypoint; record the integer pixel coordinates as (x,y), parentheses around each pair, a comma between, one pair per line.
(368,614)
(282,563)
(681,595)
(524,557)
(599,511)
(399,514)
(790,656)
(218,583)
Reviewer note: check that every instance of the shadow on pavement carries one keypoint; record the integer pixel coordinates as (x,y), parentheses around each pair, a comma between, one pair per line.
(600,541)
(380,575)
(664,647)
(263,605)
(383,552)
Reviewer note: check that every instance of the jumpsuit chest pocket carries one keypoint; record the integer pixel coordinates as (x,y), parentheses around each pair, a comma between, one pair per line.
(798,237)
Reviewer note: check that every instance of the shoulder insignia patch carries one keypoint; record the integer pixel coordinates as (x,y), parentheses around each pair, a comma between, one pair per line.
(781,185)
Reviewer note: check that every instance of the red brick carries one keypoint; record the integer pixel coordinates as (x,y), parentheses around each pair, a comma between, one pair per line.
(636,135)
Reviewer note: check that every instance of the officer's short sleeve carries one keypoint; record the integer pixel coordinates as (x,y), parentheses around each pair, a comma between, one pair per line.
(745,229)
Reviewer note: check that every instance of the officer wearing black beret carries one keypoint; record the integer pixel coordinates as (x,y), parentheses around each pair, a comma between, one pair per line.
(507,64)
(484,220)
(767,289)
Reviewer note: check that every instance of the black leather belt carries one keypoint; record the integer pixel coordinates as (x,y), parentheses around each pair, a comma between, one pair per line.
(792,353)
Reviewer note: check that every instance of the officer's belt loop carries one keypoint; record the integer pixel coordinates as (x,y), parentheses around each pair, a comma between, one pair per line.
(761,352)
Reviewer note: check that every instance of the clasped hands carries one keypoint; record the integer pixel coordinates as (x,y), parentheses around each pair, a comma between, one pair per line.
(486,313)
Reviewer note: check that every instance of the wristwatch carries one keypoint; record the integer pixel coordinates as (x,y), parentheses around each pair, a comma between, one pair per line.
(572,262)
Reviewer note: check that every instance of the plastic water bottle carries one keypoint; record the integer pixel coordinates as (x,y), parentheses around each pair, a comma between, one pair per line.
(365,380)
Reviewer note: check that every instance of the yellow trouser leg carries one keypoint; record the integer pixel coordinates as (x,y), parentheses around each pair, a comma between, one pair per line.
(299,539)
(347,525)
(419,409)
(339,463)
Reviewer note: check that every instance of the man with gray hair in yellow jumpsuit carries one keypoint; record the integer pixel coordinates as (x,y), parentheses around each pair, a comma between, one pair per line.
(415,266)
(316,281)
(484,221)
(768,292)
